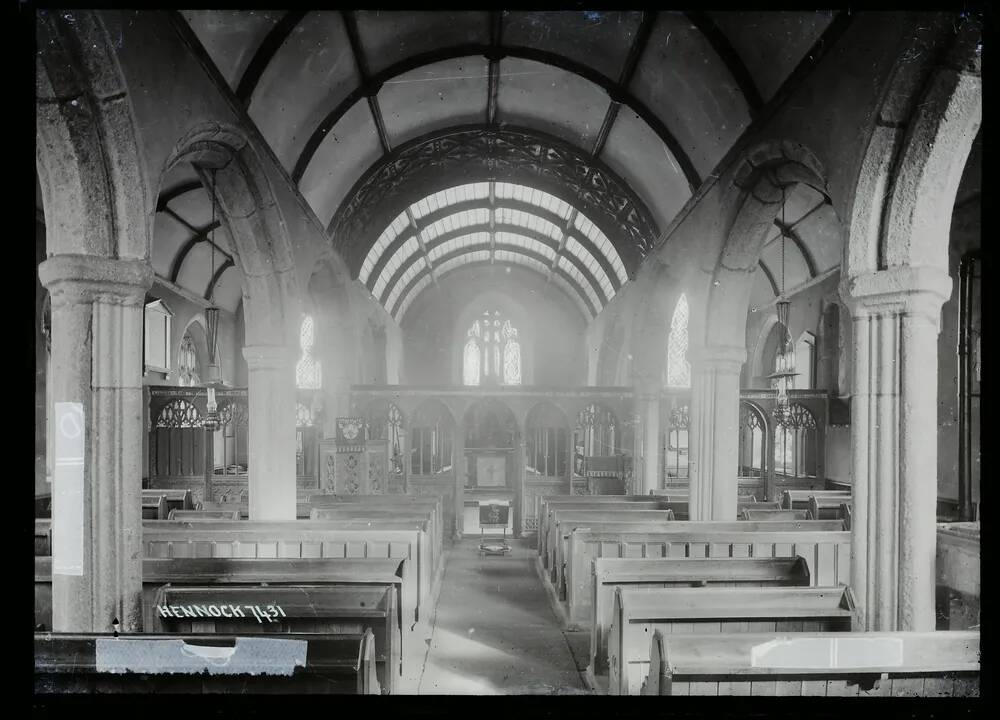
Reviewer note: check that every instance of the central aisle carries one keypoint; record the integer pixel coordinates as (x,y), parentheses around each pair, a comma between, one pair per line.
(494,631)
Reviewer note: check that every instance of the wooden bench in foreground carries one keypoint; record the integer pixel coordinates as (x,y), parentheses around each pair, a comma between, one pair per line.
(826,551)
(324,609)
(861,664)
(657,573)
(199,664)
(637,614)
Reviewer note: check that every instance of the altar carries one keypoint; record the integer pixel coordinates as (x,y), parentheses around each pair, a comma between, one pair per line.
(486,480)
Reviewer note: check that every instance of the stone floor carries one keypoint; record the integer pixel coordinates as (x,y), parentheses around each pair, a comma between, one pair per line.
(494,631)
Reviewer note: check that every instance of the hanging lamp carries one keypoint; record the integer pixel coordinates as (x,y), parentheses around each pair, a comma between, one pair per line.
(214,376)
(784,362)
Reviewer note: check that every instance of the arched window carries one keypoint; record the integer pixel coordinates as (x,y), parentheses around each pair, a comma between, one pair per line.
(678,368)
(308,375)
(674,460)
(796,444)
(492,352)
(805,356)
(751,449)
(187,363)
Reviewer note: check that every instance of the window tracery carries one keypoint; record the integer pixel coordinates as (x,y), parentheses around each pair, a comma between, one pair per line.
(492,352)
(678,368)
(308,373)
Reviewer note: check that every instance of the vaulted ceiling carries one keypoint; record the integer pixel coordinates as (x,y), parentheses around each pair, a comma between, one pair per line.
(648,100)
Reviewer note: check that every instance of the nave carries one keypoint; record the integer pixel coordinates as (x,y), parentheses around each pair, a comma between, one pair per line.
(686,304)
(494,630)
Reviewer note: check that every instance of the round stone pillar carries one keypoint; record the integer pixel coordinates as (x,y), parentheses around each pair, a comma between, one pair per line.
(96,410)
(896,315)
(714,434)
(649,414)
(271,397)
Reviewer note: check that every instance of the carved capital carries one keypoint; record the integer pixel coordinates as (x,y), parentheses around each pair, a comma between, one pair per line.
(915,291)
(74,278)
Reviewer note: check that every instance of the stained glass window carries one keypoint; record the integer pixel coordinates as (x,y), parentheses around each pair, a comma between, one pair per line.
(678,368)
(187,363)
(308,375)
(492,352)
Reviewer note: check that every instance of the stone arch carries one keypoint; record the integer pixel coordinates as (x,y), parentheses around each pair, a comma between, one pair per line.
(652,326)
(263,251)
(757,355)
(758,184)
(90,170)
(908,179)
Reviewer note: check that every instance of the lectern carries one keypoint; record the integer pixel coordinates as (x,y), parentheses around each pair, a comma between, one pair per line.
(493,515)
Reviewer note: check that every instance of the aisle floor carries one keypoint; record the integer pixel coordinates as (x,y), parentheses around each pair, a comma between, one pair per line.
(494,630)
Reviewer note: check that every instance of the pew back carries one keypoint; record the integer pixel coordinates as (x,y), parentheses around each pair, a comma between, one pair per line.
(154,507)
(861,664)
(799,499)
(176,499)
(637,614)
(164,664)
(547,502)
(201,515)
(43,536)
(826,552)
(312,539)
(772,514)
(657,573)
(325,609)
(560,519)
(398,513)
(823,508)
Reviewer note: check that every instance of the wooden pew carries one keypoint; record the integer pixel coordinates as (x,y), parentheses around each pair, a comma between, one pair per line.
(640,574)
(332,664)
(545,502)
(388,520)
(799,499)
(826,550)
(302,510)
(198,515)
(176,499)
(771,514)
(680,510)
(845,512)
(825,507)
(43,536)
(754,505)
(245,571)
(867,664)
(576,582)
(313,539)
(406,512)
(637,512)
(577,596)
(638,613)
(154,507)
(325,609)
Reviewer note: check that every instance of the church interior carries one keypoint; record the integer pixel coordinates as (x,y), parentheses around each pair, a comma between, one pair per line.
(508,352)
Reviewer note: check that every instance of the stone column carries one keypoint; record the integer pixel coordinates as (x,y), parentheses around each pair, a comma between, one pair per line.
(649,412)
(896,315)
(714,434)
(458,464)
(271,398)
(96,381)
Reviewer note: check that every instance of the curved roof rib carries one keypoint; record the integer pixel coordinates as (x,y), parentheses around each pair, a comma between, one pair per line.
(490,223)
